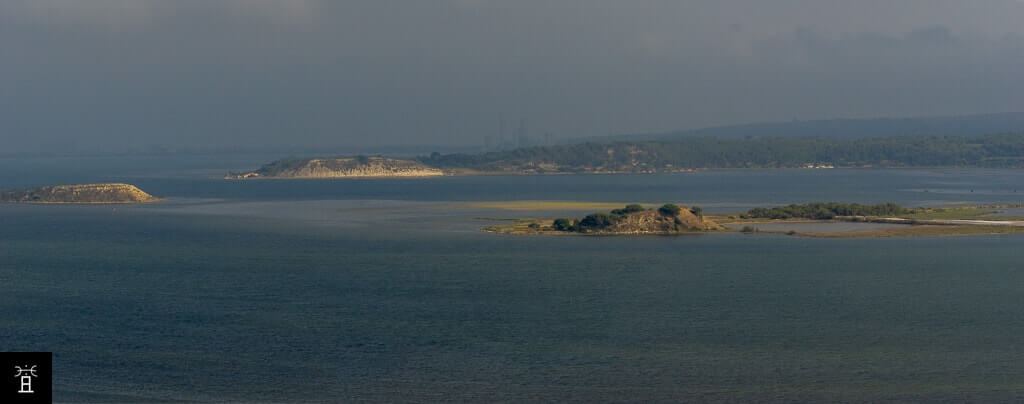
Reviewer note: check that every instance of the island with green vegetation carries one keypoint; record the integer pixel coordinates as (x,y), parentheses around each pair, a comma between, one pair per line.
(113,193)
(892,220)
(633,219)
(340,167)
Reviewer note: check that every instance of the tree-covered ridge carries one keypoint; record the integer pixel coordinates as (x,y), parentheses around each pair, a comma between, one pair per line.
(826,211)
(999,150)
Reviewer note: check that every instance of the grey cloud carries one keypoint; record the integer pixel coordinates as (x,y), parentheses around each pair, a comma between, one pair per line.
(266,72)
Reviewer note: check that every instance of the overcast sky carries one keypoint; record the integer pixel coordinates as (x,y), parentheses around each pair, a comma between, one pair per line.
(346,72)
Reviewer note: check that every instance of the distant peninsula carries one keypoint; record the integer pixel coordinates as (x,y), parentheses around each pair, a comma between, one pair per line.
(687,154)
(677,155)
(80,194)
(340,167)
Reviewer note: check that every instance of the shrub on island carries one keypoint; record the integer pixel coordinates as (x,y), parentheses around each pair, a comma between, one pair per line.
(598,221)
(562,224)
(670,209)
(633,207)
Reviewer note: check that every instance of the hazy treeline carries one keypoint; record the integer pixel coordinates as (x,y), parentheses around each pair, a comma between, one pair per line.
(969,125)
(997,150)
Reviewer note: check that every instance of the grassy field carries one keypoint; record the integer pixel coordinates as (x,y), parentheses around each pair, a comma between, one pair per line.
(966,212)
(732,218)
(960,213)
(525,226)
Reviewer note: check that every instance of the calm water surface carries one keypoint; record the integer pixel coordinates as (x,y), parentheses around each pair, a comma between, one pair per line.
(386,290)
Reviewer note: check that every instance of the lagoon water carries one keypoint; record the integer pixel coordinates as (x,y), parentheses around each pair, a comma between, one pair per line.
(386,290)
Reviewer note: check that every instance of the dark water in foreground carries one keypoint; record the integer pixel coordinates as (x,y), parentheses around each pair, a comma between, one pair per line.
(257,294)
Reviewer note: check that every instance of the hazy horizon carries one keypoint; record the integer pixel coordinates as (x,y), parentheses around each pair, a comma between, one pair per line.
(116,74)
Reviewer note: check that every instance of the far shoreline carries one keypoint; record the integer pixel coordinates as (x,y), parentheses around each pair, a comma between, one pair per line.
(622,173)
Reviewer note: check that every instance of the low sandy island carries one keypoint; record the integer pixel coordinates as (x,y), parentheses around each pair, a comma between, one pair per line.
(106,193)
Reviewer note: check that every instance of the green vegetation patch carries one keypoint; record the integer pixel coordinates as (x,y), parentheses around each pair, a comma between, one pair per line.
(669,209)
(966,212)
(825,211)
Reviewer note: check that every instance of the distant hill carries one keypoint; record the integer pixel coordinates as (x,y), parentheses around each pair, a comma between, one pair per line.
(340,167)
(965,125)
(81,193)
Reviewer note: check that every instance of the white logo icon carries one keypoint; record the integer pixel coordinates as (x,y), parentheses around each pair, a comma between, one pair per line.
(26,374)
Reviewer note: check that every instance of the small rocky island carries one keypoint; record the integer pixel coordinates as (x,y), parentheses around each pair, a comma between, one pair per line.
(80,193)
(340,167)
(632,219)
